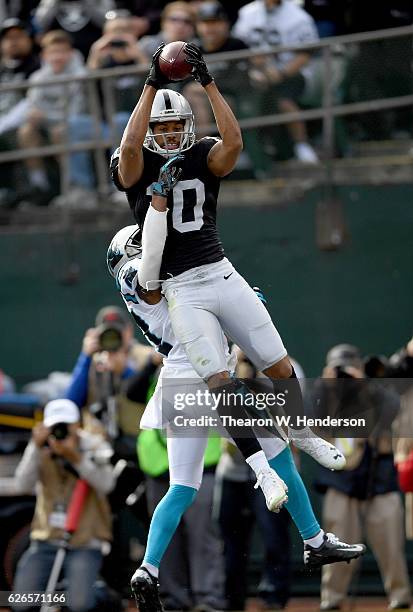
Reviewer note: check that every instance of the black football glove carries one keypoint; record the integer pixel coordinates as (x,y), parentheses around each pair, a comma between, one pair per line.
(169,175)
(200,71)
(155,77)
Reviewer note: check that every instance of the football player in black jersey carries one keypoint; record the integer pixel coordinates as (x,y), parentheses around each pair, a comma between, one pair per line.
(161,126)
(204,292)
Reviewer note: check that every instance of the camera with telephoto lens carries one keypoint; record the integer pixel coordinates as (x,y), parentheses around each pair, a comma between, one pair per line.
(377,366)
(118,44)
(342,373)
(59,430)
(110,337)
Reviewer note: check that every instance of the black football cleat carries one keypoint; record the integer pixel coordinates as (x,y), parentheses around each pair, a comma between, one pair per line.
(331,551)
(145,589)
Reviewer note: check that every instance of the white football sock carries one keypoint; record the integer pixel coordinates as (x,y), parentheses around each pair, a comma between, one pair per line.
(317,540)
(301,432)
(154,571)
(258,461)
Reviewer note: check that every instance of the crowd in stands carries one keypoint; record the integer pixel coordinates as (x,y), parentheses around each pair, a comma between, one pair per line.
(206,569)
(40,40)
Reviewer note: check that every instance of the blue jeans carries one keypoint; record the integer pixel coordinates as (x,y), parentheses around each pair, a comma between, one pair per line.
(82,128)
(80,569)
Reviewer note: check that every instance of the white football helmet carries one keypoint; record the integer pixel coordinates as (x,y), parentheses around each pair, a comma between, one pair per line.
(169,105)
(125,245)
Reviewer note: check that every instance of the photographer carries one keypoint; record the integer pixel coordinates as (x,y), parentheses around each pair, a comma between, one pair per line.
(402,361)
(101,373)
(401,364)
(59,453)
(363,500)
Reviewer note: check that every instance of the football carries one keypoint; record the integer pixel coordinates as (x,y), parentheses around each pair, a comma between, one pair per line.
(172,61)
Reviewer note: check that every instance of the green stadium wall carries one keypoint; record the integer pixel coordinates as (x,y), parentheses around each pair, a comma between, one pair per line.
(361,293)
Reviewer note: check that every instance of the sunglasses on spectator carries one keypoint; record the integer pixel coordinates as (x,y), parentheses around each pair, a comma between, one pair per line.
(180,20)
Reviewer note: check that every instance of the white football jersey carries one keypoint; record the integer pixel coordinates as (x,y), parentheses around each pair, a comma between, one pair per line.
(285,24)
(152,319)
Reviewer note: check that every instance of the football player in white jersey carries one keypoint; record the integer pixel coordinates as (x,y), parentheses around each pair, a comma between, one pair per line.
(131,260)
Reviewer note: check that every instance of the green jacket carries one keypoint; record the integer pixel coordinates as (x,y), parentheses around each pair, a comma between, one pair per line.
(153,456)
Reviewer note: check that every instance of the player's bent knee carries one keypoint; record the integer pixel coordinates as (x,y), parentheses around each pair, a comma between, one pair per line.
(264,346)
(216,380)
(206,360)
(281,369)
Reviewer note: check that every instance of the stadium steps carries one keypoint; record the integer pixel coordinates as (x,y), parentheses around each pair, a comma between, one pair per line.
(388,162)
(372,163)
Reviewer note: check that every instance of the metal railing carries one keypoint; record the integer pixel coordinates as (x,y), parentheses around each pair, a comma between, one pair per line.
(107,78)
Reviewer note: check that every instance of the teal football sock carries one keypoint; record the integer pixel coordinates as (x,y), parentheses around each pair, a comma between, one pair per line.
(298,505)
(165,521)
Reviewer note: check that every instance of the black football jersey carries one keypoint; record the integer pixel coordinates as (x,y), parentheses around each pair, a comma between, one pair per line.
(192,233)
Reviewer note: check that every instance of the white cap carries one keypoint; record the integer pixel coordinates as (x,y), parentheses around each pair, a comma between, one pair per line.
(60,411)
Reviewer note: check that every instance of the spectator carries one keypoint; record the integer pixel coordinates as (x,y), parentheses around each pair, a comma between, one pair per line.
(146,14)
(240,506)
(401,362)
(22,9)
(380,68)
(98,387)
(402,367)
(118,29)
(282,77)
(177,23)
(50,106)
(117,47)
(18,61)
(213,30)
(364,498)
(100,376)
(369,15)
(53,462)
(82,19)
(329,16)
(192,567)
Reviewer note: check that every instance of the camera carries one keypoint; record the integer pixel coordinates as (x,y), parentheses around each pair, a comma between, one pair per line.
(60,431)
(110,338)
(341,372)
(377,366)
(118,44)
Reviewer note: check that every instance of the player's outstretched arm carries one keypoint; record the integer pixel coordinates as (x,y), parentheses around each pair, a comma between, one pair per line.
(131,158)
(155,229)
(154,235)
(224,154)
